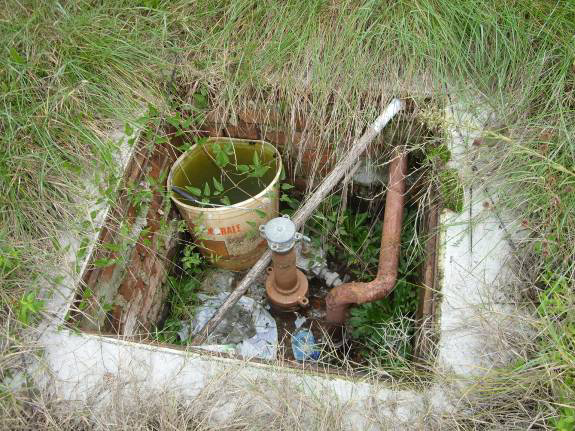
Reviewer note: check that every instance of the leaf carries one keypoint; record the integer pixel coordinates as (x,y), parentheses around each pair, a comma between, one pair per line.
(286,186)
(16,57)
(243,168)
(256,159)
(229,148)
(259,171)
(225,200)
(113,247)
(206,189)
(194,190)
(200,140)
(217,185)
(187,123)
(174,121)
(103,262)
(222,158)
(260,213)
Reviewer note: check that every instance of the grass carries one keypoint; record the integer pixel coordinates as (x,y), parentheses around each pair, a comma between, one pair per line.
(68,68)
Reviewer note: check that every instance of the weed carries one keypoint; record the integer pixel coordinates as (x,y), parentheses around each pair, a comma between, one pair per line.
(356,249)
(28,307)
(451,189)
(182,295)
(191,260)
(381,325)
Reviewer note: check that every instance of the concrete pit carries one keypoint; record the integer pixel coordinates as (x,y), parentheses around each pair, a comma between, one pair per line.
(126,291)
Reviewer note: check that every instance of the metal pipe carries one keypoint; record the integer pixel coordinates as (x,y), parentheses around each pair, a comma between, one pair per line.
(286,286)
(340,298)
(285,271)
(305,212)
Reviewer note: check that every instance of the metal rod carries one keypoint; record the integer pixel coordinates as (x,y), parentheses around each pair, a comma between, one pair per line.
(304,213)
(189,197)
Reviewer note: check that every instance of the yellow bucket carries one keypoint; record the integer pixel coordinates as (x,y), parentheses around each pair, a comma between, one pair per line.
(227,230)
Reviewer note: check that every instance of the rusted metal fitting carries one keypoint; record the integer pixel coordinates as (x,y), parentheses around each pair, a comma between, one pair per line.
(286,286)
(339,299)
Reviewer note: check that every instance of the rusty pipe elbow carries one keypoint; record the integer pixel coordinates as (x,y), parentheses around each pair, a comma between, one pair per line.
(343,296)
(340,298)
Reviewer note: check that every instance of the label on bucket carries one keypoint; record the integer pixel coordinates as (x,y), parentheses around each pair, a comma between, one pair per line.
(224,230)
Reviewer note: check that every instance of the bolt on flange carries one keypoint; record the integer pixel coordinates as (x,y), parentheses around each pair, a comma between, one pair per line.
(286,286)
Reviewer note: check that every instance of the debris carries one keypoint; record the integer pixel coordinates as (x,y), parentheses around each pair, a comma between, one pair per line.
(217,281)
(304,346)
(257,290)
(299,321)
(248,328)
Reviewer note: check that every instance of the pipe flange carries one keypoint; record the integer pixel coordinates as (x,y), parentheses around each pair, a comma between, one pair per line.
(288,301)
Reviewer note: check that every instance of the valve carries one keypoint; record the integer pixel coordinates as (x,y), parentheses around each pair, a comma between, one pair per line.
(286,285)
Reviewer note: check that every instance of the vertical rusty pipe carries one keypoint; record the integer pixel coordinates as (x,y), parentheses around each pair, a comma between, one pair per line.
(285,271)
(340,298)
(286,286)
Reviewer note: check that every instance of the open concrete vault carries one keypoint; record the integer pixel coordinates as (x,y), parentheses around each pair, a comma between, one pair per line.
(472,284)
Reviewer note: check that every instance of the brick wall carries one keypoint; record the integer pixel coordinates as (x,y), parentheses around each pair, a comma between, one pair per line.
(123,287)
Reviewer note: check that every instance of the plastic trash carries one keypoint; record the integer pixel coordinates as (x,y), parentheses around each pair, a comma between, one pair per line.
(299,321)
(303,346)
(247,329)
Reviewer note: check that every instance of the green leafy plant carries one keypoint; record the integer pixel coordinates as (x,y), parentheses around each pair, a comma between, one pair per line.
(182,296)
(383,327)
(380,325)
(29,306)
(207,193)
(182,300)
(87,294)
(559,344)
(191,260)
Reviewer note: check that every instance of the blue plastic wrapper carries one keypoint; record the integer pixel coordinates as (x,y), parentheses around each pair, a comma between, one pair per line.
(303,346)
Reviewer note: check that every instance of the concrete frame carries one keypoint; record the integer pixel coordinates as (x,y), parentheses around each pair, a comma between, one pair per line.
(474,263)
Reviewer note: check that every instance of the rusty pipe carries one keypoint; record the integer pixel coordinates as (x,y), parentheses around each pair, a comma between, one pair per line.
(340,298)
(286,286)
(285,270)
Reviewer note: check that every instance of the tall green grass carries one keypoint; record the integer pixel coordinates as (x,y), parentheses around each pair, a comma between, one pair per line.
(70,70)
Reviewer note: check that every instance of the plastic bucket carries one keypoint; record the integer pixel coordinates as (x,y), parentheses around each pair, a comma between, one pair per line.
(228,234)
